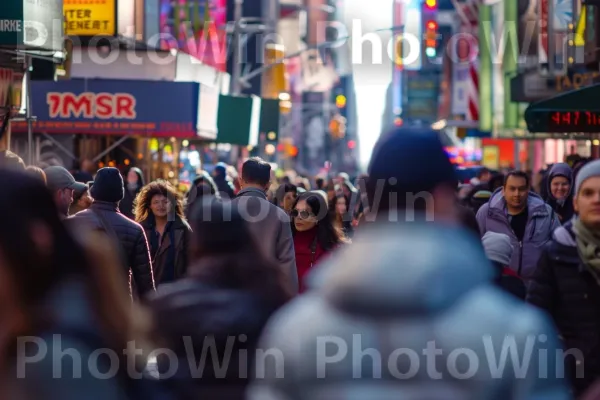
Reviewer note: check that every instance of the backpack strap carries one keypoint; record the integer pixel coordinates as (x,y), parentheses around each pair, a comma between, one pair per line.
(110,231)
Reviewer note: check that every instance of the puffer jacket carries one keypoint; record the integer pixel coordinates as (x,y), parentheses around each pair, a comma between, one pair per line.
(563,287)
(542,221)
(131,237)
(377,307)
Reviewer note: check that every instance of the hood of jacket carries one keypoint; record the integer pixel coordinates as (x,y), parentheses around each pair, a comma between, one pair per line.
(535,203)
(411,269)
(560,169)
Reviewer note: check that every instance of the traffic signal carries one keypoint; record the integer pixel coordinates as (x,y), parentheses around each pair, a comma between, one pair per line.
(431,34)
(431,5)
(340,101)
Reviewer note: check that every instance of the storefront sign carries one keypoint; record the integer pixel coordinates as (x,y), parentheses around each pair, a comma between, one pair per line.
(32,24)
(90,17)
(151,108)
(576,81)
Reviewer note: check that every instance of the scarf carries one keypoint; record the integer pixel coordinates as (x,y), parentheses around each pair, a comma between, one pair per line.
(588,247)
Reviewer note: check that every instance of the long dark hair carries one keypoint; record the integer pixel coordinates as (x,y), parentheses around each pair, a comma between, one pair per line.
(54,255)
(328,236)
(223,253)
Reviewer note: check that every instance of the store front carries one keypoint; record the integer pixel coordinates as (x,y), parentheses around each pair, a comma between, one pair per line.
(123,122)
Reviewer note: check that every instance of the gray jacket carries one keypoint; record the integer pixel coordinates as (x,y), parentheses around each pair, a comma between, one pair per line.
(387,318)
(542,221)
(271,228)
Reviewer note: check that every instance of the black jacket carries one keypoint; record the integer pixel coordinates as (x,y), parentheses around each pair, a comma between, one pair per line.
(131,237)
(563,287)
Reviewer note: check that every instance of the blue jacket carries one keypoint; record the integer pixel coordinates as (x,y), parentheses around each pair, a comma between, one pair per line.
(540,225)
(375,307)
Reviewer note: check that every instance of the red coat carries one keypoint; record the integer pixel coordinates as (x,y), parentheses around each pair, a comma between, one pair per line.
(302,247)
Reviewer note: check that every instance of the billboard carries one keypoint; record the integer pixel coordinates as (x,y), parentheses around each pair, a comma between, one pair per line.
(90,17)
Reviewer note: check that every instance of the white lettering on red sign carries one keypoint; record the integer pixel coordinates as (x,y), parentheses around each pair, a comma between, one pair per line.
(91,105)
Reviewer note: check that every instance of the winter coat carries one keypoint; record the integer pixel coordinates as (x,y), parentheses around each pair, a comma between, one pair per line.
(378,304)
(305,260)
(270,227)
(190,310)
(564,288)
(131,237)
(541,223)
(181,233)
(565,211)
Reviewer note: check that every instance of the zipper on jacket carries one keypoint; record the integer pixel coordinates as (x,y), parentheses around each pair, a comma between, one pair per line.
(520,257)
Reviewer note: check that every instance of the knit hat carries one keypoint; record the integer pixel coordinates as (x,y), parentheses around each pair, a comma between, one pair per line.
(497,247)
(108,185)
(589,170)
(409,161)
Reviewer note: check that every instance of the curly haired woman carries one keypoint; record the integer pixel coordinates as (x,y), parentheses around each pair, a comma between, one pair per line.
(159,209)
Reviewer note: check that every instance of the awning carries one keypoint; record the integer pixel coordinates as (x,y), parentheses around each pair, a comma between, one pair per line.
(104,106)
(577,111)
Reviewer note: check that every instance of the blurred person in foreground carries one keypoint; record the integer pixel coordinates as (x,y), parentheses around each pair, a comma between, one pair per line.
(231,291)
(127,235)
(10,160)
(159,209)
(37,172)
(566,281)
(516,211)
(63,296)
(399,288)
(81,200)
(62,185)
(203,185)
(315,235)
(560,191)
(269,224)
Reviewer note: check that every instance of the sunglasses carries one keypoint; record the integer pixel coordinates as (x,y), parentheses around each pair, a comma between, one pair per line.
(303,214)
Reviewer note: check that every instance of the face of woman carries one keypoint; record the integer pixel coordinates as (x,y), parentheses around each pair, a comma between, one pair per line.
(304,219)
(132,177)
(160,206)
(340,206)
(559,187)
(288,201)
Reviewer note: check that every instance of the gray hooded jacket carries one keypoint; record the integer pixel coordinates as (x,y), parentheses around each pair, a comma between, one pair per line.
(542,221)
(386,318)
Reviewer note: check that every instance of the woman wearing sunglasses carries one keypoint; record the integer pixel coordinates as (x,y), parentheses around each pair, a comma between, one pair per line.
(313,231)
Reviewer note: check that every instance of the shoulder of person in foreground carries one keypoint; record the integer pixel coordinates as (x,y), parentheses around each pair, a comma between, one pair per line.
(66,367)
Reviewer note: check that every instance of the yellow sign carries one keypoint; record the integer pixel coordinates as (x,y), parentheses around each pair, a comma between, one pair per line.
(89,17)
(490,157)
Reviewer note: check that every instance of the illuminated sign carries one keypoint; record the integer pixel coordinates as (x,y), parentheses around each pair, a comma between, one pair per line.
(90,17)
(91,105)
(574,121)
(576,81)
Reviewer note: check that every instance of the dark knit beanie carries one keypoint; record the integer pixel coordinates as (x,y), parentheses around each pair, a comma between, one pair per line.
(108,186)
(409,161)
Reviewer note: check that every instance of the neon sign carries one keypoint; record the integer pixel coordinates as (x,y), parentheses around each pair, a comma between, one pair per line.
(574,121)
(91,105)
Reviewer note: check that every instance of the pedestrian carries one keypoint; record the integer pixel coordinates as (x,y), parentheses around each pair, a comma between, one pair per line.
(269,224)
(128,236)
(315,236)
(159,209)
(340,215)
(135,183)
(522,215)
(37,172)
(62,185)
(285,196)
(81,200)
(408,285)
(224,184)
(223,304)
(499,250)
(560,191)
(62,294)
(566,281)
(10,160)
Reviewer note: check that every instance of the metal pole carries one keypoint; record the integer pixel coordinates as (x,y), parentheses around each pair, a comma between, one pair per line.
(28,116)
(237,65)
(551,42)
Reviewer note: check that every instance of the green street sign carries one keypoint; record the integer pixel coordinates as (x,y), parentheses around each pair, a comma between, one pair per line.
(32,24)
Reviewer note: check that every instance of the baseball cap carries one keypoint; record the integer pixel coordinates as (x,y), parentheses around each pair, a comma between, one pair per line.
(59,178)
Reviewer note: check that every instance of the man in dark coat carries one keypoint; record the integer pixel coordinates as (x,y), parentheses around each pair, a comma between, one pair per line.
(104,214)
